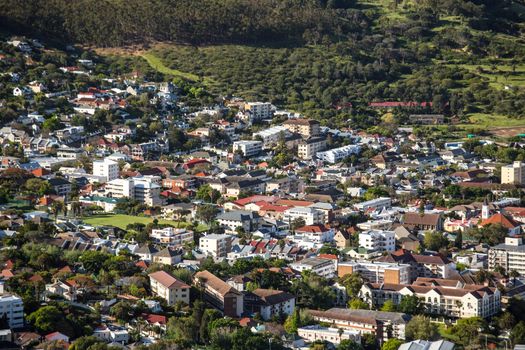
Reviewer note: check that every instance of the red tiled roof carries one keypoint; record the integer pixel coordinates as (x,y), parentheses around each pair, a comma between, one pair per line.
(502,219)
(313,228)
(152,318)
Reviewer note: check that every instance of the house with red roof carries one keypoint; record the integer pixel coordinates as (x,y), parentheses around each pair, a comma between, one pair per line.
(57,336)
(506,221)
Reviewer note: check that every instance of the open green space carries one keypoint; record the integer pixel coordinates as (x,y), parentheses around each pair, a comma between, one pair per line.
(122,221)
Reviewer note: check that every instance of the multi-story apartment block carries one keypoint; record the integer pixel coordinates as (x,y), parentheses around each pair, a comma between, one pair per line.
(378,240)
(306,127)
(172,236)
(383,324)
(269,303)
(323,267)
(12,307)
(106,168)
(234,220)
(258,110)
(248,148)
(377,272)
(120,188)
(430,266)
(449,298)
(220,294)
(311,216)
(307,149)
(509,255)
(215,245)
(338,154)
(513,173)
(167,287)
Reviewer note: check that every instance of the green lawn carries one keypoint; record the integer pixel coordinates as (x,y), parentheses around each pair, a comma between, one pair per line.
(157,64)
(121,221)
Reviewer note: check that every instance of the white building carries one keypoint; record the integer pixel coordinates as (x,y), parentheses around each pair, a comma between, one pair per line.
(120,188)
(378,240)
(106,168)
(337,154)
(323,267)
(449,298)
(509,255)
(172,236)
(377,272)
(12,307)
(248,148)
(269,303)
(332,335)
(112,334)
(215,245)
(270,137)
(375,204)
(239,219)
(311,216)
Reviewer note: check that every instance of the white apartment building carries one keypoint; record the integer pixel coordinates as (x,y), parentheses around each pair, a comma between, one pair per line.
(120,188)
(248,148)
(147,190)
(337,154)
(12,307)
(378,240)
(215,245)
(377,272)
(375,204)
(311,216)
(309,148)
(323,267)
(142,189)
(106,168)
(449,298)
(333,335)
(270,137)
(172,236)
(509,255)
(513,173)
(169,288)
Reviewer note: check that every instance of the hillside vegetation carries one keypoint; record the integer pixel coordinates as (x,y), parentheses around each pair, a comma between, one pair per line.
(326,58)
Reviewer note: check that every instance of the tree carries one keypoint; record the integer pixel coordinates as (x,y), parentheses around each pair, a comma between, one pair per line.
(420,327)
(392,344)
(468,329)
(206,213)
(357,303)
(293,321)
(517,335)
(514,274)
(46,318)
(93,260)
(37,186)
(297,223)
(352,283)
(349,344)
(410,304)
(435,241)
(506,321)
(389,306)
(85,343)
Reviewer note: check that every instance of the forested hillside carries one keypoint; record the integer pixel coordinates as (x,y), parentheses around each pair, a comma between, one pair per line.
(326,58)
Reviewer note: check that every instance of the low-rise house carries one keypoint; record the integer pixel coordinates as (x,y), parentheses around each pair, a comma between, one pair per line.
(315,233)
(62,289)
(330,334)
(112,334)
(169,288)
(423,222)
(168,256)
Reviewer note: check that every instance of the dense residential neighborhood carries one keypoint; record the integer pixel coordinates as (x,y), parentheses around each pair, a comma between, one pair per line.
(135,214)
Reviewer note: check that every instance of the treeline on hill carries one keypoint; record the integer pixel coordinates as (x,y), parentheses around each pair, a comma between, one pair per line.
(117,22)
